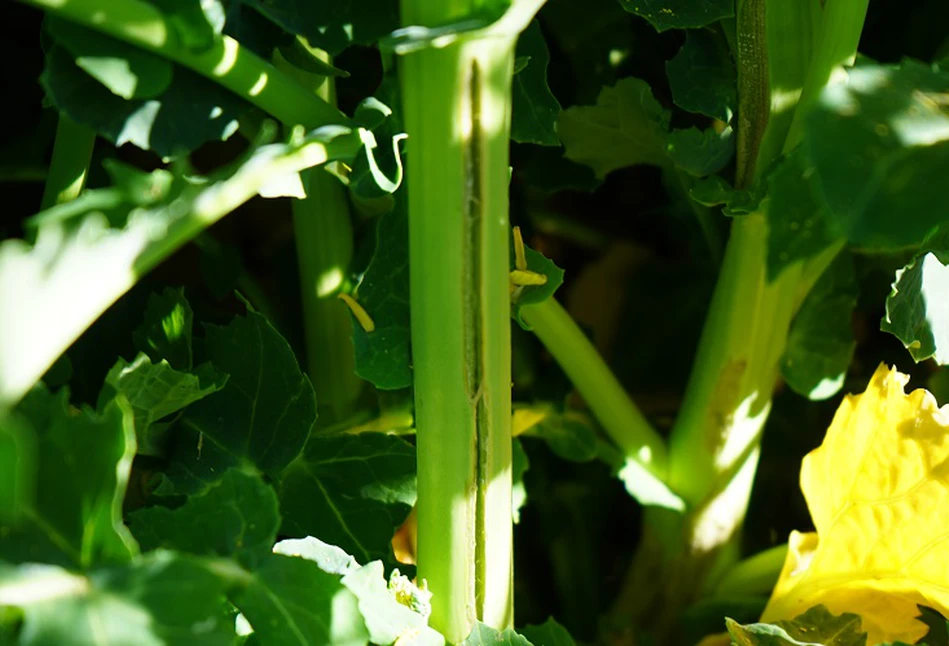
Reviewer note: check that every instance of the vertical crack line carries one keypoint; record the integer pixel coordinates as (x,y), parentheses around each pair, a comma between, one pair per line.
(474,314)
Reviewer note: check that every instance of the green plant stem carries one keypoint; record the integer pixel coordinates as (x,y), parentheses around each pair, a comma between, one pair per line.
(606,397)
(226,62)
(323,232)
(72,153)
(457,115)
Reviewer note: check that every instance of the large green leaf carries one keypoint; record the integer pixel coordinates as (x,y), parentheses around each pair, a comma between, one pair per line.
(17,467)
(799,225)
(352,491)
(702,76)
(332,26)
(820,343)
(155,391)
(482,635)
(534,109)
(160,598)
(90,251)
(680,14)
(383,355)
(195,22)
(127,71)
(916,309)
(189,112)
(549,633)
(83,461)
(290,601)
(816,626)
(627,126)
(235,516)
(262,417)
(879,149)
(701,152)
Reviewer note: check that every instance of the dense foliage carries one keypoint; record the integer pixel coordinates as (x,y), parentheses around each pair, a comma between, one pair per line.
(528,323)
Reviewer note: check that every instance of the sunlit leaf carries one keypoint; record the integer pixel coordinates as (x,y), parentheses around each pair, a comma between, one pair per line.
(876,495)
(916,309)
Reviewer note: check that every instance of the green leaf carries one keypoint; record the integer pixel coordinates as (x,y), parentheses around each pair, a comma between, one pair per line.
(160,598)
(711,191)
(383,355)
(534,108)
(916,309)
(702,76)
(332,26)
(387,619)
(799,225)
(879,146)
(701,153)
(569,438)
(549,633)
(680,14)
(90,251)
(291,601)
(260,419)
(195,22)
(166,332)
(533,294)
(17,468)
(352,491)
(627,126)
(820,343)
(330,558)
(235,516)
(816,626)
(155,391)
(482,635)
(191,111)
(83,461)
(127,71)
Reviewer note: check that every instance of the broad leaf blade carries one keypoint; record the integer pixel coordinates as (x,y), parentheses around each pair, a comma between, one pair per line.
(821,343)
(291,601)
(236,516)
(482,635)
(870,487)
(166,332)
(627,126)
(702,76)
(351,491)
(155,391)
(534,108)
(916,309)
(816,626)
(260,419)
(549,633)
(83,462)
(680,14)
(383,355)
(701,152)
(161,598)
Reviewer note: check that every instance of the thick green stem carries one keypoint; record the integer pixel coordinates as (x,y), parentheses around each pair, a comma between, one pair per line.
(606,397)
(72,152)
(457,115)
(323,232)
(225,61)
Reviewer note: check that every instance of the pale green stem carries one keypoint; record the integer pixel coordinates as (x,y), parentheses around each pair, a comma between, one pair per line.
(323,232)
(593,379)
(142,24)
(72,153)
(457,115)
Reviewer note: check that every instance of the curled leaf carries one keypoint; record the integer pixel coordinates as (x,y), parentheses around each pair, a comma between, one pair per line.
(877,492)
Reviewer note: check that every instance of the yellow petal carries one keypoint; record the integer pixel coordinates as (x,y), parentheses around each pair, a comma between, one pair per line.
(878,492)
